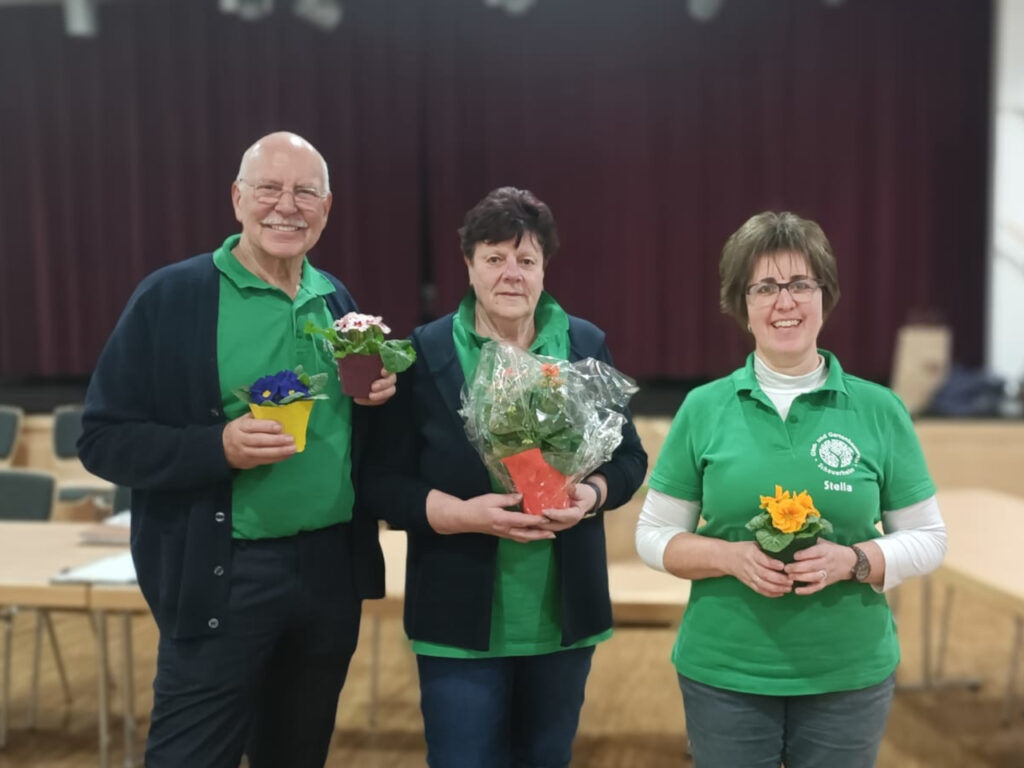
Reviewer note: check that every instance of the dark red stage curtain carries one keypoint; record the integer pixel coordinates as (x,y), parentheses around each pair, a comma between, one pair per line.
(651,135)
(117,154)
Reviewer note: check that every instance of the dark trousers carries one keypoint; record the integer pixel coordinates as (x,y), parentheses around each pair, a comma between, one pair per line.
(268,683)
(515,712)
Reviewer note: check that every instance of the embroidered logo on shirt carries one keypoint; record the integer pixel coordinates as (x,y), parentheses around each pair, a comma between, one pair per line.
(836,454)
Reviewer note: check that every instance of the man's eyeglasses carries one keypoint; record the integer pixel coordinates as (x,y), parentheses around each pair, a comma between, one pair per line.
(269,193)
(766,292)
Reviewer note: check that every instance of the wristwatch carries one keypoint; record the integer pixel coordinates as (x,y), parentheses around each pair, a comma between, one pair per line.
(862,568)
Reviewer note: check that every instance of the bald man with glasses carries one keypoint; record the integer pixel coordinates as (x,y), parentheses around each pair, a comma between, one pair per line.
(253,557)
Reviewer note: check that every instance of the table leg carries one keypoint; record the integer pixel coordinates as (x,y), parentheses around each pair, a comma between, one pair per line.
(102,689)
(1018,640)
(930,680)
(5,697)
(374,670)
(127,690)
(37,652)
(947,610)
(926,631)
(57,658)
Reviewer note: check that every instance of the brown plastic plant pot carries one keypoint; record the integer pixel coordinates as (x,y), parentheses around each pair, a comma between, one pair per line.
(357,373)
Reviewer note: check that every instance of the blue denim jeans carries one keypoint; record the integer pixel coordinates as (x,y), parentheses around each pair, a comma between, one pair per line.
(515,712)
(728,729)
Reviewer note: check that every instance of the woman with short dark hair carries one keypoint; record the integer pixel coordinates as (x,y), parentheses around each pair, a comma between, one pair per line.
(503,608)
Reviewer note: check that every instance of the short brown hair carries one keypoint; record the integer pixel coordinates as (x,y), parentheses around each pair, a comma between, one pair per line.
(508,213)
(767,233)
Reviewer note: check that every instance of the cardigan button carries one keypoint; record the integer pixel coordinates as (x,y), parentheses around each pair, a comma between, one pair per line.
(213,623)
(219,517)
(218,571)
(214,412)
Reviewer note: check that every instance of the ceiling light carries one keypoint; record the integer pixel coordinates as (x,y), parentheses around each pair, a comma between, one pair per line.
(325,14)
(80,18)
(704,10)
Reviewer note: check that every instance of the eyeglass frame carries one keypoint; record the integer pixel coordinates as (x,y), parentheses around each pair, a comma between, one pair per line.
(293,191)
(800,297)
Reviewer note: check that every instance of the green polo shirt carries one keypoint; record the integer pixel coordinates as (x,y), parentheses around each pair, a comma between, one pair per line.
(852,446)
(259,332)
(526,617)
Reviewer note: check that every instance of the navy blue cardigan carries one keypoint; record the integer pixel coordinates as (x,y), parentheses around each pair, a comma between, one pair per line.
(153,422)
(418,443)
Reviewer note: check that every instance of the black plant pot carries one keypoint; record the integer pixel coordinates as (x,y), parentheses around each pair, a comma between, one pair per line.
(787,552)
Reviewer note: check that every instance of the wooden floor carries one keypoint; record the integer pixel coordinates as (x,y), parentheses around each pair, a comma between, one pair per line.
(632,717)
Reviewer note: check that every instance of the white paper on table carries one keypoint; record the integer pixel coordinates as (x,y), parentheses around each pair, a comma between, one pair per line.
(117,569)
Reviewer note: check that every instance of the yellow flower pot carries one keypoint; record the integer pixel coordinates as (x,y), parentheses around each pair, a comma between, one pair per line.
(294,418)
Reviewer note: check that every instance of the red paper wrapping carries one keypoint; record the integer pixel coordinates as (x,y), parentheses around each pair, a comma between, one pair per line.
(543,486)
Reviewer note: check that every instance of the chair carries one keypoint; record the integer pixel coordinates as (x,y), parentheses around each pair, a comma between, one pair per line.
(10,431)
(27,494)
(921,361)
(122,499)
(75,483)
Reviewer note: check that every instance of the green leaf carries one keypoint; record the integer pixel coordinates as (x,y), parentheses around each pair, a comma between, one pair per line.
(330,334)
(760,521)
(826,526)
(809,529)
(316,384)
(772,540)
(397,355)
(242,393)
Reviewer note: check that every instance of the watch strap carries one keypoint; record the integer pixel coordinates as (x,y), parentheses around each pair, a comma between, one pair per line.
(862,568)
(597,492)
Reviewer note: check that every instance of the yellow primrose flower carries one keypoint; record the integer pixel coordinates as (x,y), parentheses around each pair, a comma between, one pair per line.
(789,511)
(788,515)
(788,518)
(780,495)
(805,500)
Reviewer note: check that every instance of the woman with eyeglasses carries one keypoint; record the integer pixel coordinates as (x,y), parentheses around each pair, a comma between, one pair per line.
(788,662)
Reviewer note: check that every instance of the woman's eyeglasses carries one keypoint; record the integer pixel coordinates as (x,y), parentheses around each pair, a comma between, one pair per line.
(767,291)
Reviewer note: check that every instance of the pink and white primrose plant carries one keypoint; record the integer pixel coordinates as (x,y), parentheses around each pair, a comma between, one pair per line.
(356,334)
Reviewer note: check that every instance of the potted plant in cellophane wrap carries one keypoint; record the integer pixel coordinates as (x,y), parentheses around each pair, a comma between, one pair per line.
(541,424)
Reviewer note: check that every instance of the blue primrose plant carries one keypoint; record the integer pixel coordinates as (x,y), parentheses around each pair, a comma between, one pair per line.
(284,387)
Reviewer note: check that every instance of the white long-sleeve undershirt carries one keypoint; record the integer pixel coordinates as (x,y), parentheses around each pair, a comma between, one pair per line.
(913,542)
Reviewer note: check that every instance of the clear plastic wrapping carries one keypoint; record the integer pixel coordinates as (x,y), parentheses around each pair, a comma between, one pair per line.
(541,424)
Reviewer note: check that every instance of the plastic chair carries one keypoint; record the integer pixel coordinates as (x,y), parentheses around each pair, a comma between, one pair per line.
(122,499)
(10,431)
(27,494)
(75,484)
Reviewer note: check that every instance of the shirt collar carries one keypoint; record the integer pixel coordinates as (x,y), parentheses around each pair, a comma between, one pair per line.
(548,318)
(312,281)
(744,379)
